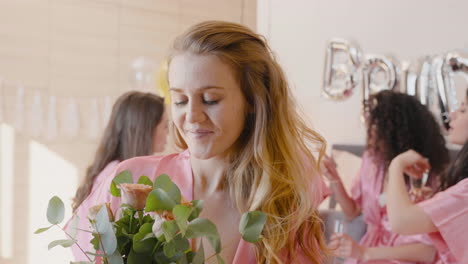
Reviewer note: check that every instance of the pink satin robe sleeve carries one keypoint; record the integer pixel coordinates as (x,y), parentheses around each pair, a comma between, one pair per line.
(366,191)
(449,213)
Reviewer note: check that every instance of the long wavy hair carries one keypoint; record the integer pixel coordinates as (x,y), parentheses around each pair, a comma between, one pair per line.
(272,166)
(398,122)
(458,170)
(128,134)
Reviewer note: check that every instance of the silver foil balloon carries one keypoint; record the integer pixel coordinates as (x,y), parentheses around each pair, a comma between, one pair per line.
(416,79)
(379,73)
(424,83)
(444,67)
(342,73)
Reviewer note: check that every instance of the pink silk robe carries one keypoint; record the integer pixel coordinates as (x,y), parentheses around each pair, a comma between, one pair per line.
(82,211)
(178,167)
(449,213)
(366,190)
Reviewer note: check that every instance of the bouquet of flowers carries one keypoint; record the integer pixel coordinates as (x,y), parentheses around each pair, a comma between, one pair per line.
(155,225)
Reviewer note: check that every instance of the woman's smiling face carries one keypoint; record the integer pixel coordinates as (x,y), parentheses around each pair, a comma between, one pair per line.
(208,107)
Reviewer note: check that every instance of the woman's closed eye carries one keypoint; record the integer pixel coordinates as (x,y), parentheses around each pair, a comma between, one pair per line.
(210,102)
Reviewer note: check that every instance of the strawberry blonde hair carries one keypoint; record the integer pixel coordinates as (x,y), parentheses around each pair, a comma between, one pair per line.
(267,170)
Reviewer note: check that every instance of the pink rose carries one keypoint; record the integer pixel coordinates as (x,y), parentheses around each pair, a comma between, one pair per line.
(135,194)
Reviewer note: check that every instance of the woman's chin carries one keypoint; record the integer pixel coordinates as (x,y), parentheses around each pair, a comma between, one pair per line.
(453,139)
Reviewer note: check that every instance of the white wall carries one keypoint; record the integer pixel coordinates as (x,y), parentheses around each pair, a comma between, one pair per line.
(298,31)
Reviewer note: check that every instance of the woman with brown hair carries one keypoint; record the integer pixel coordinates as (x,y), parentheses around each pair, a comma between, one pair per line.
(138,126)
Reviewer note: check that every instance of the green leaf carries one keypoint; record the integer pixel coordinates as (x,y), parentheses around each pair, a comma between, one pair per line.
(181,214)
(200,256)
(40,230)
(251,225)
(181,244)
(115,258)
(164,182)
(196,209)
(106,232)
(204,227)
(220,259)
(136,258)
(190,255)
(62,242)
(102,220)
(55,211)
(142,245)
(123,177)
(159,200)
(183,260)
(169,229)
(169,249)
(145,180)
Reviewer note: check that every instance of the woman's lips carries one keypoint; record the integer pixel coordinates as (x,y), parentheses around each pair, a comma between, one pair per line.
(199,133)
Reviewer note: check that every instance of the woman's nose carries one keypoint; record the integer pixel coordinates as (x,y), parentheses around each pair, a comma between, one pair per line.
(195,113)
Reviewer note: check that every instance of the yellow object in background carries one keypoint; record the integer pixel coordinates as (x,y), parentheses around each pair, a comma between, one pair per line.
(162,84)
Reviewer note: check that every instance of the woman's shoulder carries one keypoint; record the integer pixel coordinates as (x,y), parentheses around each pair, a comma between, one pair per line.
(154,160)
(152,165)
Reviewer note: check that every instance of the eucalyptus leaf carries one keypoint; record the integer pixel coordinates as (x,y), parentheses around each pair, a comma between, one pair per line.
(115,258)
(203,227)
(200,256)
(183,260)
(169,249)
(109,242)
(169,229)
(159,200)
(181,214)
(55,211)
(62,242)
(142,245)
(106,232)
(197,206)
(40,230)
(181,243)
(123,177)
(251,225)
(102,223)
(164,182)
(136,258)
(145,180)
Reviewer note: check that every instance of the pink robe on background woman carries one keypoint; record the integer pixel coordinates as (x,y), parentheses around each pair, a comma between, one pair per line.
(82,212)
(449,213)
(178,167)
(366,191)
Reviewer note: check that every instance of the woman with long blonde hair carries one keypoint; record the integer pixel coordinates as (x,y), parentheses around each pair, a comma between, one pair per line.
(244,145)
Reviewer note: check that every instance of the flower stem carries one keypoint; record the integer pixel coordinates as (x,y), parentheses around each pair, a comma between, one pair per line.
(131,220)
(76,243)
(140,216)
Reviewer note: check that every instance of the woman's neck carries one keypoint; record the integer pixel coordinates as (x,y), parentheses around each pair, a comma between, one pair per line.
(209,175)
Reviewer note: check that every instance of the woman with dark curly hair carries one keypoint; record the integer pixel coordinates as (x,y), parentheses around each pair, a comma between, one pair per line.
(445,216)
(395,123)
